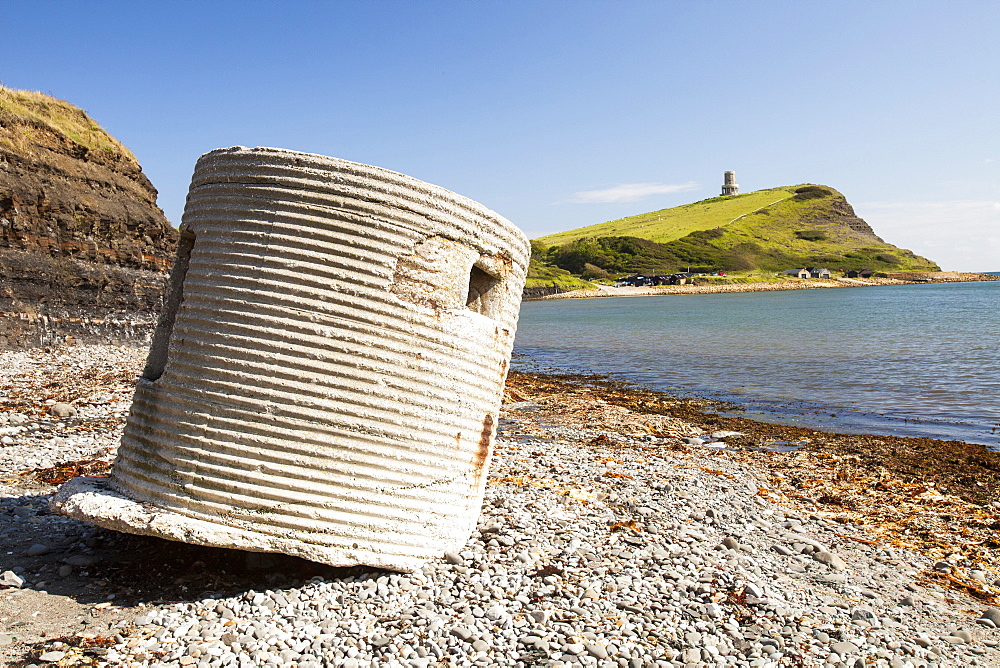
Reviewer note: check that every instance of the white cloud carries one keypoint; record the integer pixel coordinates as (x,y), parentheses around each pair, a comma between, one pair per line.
(960,235)
(630,192)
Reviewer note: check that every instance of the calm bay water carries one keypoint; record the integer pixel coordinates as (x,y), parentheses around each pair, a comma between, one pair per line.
(911,360)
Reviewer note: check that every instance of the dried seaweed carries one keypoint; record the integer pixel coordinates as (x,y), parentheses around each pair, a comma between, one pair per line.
(918,493)
(60,473)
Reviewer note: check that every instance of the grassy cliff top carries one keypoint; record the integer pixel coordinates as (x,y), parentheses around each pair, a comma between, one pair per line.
(34,108)
(671,224)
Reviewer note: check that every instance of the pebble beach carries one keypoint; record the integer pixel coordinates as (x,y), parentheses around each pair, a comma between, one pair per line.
(611,535)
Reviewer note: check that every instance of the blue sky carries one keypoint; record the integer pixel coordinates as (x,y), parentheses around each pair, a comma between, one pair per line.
(558,114)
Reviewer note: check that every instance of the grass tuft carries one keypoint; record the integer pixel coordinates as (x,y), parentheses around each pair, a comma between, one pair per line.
(32,108)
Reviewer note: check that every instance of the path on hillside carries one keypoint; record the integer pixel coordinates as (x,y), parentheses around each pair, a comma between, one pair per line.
(756,210)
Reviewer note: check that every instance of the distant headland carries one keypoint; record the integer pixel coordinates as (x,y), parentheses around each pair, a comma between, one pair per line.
(735,237)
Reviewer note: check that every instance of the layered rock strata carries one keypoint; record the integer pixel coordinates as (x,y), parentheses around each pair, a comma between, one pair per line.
(80,233)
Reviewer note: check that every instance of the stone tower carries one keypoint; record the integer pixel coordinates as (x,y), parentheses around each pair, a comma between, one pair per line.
(729,186)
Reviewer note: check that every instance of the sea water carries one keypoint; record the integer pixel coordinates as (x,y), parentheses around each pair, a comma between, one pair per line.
(908,360)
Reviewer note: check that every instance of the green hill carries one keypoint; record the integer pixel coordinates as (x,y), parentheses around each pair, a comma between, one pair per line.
(767,230)
(670,224)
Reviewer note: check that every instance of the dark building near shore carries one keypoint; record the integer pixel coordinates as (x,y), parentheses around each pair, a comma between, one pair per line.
(641,280)
(854,273)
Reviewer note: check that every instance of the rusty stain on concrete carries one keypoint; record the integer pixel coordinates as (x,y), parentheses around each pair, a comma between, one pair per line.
(485,441)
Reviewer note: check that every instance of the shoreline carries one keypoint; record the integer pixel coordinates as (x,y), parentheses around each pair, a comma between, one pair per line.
(763,286)
(812,415)
(619,525)
(967,471)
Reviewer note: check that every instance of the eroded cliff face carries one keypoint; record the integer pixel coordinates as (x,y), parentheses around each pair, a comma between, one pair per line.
(80,233)
(841,212)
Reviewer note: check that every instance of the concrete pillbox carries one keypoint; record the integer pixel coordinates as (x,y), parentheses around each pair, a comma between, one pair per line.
(327,372)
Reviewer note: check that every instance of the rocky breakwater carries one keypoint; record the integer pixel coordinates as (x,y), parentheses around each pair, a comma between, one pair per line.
(610,536)
(84,249)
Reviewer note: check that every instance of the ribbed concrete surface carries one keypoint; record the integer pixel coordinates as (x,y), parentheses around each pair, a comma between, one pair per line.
(329,383)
